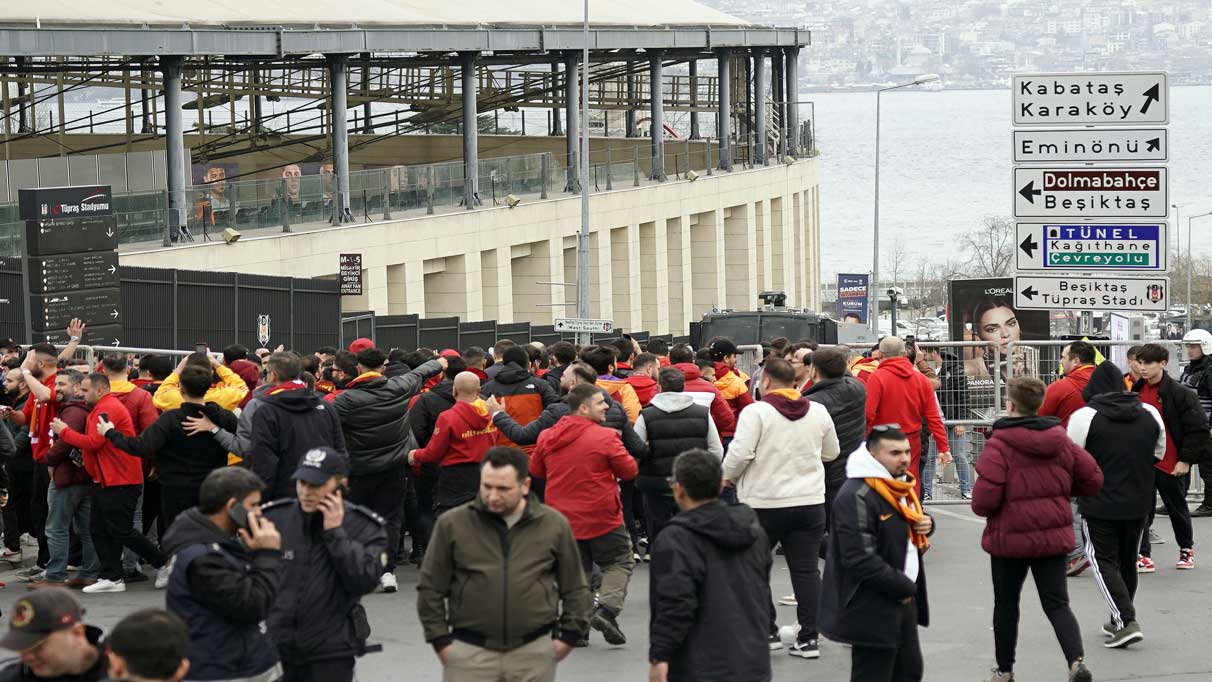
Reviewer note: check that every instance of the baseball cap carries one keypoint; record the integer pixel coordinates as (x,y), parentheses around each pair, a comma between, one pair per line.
(40,614)
(320,464)
(9,344)
(360,345)
(721,348)
(450,353)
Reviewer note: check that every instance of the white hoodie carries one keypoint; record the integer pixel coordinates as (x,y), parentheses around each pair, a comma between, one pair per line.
(777,462)
(862,464)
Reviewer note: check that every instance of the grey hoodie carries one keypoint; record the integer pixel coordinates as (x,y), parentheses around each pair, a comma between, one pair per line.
(676,402)
(238,443)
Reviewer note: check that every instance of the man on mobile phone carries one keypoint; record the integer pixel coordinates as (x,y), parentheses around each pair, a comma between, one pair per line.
(224,575)
(336,552)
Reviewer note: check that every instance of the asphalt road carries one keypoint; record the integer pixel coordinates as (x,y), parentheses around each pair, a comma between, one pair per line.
(1174,608)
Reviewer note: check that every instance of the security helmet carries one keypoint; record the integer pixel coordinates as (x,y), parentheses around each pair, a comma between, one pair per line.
(1201,338)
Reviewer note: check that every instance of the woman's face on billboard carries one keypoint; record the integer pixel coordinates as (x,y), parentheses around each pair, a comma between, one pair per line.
(999,325)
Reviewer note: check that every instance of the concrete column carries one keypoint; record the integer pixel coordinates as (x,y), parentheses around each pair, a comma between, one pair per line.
(451,287)
(339,85)
(23,121)
(694,99)
(706,246)
(535,262)
(681,299)
(497,284)
(796,295)
(556,128)
(572,108)
(397,290)
(740,257)
(654,278)
(724,85)
(759,106)
(414,287)
(793,96)
(625,276)
(765,250)
(630,118)
(781,263)
(368,127)
(145,126)
(601,290)
(174,147)
(778,86)
(656,70)
(471,134)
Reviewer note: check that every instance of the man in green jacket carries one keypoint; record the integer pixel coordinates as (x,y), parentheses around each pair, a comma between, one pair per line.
(485,629)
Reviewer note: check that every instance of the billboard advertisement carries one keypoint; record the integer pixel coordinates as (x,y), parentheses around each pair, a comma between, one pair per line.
(852,297)
(983,310)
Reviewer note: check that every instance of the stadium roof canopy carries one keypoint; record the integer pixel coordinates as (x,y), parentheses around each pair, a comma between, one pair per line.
(282,27)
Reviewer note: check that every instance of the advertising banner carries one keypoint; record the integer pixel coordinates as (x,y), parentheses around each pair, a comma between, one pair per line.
(852,296)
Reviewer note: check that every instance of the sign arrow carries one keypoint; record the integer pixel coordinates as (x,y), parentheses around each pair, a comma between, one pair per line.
(1029,192)
(1029,246)
(116,342)
(1030,293)
(112,269)
(1151,96)
(1154,144)
(114,314)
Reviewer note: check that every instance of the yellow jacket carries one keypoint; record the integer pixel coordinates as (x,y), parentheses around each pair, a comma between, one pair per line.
(228,393)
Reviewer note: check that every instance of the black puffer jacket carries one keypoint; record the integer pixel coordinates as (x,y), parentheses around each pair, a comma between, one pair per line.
(423,416)
(846,401)
(1124,438)
(1185,420)
(953,395)
(709,567)
(616,419)
(286,425)
(373,411)
(318,613)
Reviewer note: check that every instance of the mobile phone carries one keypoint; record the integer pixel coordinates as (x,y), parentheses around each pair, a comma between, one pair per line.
(104,416)
(201,347)
(239,516)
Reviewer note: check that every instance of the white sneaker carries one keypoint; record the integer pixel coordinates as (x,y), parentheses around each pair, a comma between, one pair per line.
(10,556)
(103,586)
(387,581)
(789,633)
(789,600)
(162,575)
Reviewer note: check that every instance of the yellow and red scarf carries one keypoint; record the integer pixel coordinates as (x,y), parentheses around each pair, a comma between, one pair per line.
(902,495)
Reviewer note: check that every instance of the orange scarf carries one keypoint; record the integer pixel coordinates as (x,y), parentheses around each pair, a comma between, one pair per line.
(896,492)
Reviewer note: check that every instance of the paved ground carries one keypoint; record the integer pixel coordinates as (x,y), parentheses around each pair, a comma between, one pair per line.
(1174,611)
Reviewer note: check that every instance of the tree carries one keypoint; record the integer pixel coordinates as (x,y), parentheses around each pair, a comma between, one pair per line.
(990,248)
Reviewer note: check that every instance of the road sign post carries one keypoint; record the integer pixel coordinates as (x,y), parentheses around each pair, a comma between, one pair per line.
(1052,247)
(1076,292)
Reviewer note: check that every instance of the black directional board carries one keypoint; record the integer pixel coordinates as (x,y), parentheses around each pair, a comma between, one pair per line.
(52,237)
(51,312)
(73,272)
(104,335)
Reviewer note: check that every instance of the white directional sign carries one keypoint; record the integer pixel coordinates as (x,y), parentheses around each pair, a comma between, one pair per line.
(583,325)
(1090,99)
(1091,192)
(1104,145)
(1145,294)
(1086,246)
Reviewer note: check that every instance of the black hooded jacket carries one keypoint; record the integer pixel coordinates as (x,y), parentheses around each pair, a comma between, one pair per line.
(423,416)
(286,425)
(373,411)
(1184,418)
(1126,439)
(710,566)
(845,399)
(224,593)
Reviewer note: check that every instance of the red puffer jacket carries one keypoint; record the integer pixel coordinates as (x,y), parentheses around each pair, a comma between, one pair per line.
(1026,474)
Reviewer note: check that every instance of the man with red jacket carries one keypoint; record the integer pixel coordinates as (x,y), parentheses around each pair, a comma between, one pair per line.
(1064,397)
(1026,474)
(704,392)
(120,482)
(730,381)
(460,438)
(899,394)
(643,377)
(582,462)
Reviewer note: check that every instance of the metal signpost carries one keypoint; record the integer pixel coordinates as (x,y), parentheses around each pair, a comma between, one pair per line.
(581,325)
(1091,246)
(69,266)
(1077,292)
(1100,202)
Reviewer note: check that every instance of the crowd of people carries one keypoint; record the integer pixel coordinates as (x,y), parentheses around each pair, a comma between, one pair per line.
(267,492)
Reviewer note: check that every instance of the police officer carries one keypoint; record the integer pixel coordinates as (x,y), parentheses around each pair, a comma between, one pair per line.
(47,629)
(334,552)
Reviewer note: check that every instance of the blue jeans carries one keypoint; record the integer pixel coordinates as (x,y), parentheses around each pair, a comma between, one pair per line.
(69,508)
(959,452)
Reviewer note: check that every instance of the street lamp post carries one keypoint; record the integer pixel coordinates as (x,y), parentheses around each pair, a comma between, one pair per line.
(1190,265)
(875,256)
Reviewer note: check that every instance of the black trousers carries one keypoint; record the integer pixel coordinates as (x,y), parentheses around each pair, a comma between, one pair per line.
(18,513)
(902,664)
(151,509)
(799,530)
(174,500)
(334,670)
(1173,493)
(659,508)
(1111,547)
(627,495)
(1049,574)
(421,525)
(39,509)
(383,492)
(113,527)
